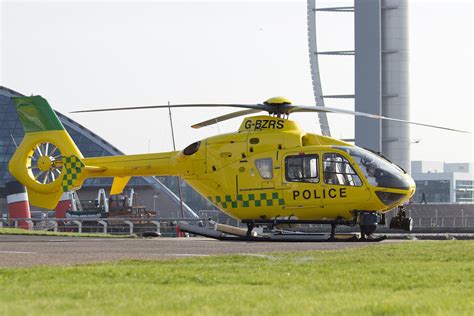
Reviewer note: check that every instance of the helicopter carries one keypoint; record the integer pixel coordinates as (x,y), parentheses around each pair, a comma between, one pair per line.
(268,173)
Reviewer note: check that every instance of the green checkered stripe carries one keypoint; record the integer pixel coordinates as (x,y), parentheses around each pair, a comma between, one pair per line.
(247,200)
(72,167)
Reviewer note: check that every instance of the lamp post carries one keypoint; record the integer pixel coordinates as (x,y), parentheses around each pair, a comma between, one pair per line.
(154,203)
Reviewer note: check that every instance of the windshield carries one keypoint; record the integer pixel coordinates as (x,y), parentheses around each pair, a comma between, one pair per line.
(378,171)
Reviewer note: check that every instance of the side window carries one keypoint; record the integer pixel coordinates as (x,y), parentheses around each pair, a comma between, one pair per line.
(302,168)
(265,167)
(337,170)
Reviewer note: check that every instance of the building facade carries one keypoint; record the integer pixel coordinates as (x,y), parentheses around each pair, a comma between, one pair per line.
(443,182)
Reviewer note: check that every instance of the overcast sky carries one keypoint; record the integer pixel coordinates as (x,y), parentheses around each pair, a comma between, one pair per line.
(105,54)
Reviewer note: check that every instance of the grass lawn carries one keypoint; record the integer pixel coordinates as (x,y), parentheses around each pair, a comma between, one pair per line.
(409,278)
(18,231)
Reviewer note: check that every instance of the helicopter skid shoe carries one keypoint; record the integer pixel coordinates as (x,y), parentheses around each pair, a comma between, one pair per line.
(356,237)
(371,238)
(344,238)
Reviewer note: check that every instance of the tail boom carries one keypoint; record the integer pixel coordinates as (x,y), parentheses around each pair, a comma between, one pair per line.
(160,164)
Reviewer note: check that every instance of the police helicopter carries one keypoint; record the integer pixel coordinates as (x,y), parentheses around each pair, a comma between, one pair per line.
(268,173)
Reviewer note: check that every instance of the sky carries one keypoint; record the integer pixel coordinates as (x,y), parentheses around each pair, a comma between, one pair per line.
(90,54)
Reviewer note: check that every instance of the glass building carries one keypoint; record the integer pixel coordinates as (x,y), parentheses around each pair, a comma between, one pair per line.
(443,182)
(91,145)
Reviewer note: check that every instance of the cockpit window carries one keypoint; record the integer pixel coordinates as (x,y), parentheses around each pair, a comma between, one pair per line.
(378,171)
(265,167)
(337,170)
(303,168)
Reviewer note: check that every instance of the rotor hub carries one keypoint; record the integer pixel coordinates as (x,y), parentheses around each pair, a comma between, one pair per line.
(277,101)
(45,163)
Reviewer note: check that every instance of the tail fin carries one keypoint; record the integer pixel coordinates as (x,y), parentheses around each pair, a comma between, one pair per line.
(47,161)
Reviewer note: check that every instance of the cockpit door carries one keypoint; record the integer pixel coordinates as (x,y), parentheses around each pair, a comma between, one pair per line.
(301,183)
(343,189)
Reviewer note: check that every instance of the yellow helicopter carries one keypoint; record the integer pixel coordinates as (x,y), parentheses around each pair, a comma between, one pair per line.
(269,172)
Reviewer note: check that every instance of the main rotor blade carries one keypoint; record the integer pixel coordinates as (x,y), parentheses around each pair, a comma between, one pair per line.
(304,108)
(225,118)
(262,107)
(270,108)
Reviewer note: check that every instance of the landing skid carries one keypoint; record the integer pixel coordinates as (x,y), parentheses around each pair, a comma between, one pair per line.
(277,237)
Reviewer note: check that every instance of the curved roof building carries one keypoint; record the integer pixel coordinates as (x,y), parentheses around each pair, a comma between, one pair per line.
(91,145)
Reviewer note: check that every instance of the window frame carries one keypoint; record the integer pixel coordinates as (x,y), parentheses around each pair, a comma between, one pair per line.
(348,162)
(304,179)
(258,169)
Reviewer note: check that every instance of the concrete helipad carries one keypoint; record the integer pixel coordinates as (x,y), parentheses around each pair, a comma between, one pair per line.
(24,251)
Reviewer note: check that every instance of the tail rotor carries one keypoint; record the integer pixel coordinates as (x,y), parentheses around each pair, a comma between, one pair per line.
(44,164)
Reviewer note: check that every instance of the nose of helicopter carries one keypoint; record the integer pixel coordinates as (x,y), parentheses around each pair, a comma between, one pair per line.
(392,184)
(412,186)
(391,197)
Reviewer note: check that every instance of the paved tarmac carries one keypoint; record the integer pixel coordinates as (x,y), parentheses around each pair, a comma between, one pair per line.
(25,251)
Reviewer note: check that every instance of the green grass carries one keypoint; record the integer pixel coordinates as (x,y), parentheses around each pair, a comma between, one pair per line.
(409,278)
(18,231)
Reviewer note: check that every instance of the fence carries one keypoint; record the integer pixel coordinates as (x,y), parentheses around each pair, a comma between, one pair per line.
(422,222)
(167,226)
(125,226)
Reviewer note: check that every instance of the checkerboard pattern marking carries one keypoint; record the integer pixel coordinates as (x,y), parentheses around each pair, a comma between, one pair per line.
(247,200)
(72,167)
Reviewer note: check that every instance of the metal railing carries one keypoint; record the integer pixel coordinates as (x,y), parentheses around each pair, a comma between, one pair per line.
(167,226)
(119,226)
(466,221)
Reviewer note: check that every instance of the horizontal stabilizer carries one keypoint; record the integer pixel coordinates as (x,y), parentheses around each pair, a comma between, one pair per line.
(94,168)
